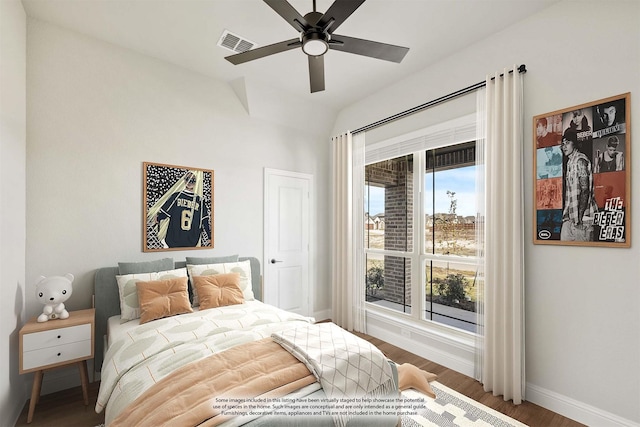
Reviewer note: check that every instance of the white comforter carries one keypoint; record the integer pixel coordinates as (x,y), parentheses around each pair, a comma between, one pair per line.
(153,350)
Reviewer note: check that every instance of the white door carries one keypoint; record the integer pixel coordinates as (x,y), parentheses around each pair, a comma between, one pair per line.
(286,243)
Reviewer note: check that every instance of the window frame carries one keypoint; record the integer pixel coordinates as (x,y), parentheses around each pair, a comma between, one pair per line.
(416,143)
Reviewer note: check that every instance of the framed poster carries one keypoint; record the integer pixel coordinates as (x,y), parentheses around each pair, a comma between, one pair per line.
(582,171)
(178,208)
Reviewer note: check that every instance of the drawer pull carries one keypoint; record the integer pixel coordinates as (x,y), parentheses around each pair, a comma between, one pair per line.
(59,354)
(59,336)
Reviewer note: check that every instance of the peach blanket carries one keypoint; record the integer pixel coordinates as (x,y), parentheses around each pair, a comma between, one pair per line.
(188,396)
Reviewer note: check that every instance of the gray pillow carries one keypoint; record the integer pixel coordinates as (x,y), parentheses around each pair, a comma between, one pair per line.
(145,266)
(212,260)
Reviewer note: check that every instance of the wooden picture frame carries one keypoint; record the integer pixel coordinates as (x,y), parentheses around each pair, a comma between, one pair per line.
(582,174)
(178,207)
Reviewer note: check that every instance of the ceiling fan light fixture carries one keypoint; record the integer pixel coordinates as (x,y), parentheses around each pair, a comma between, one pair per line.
(313,44)
(316,36)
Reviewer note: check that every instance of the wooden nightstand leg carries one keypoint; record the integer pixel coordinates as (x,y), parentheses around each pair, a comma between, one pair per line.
(84,378)
(35,394)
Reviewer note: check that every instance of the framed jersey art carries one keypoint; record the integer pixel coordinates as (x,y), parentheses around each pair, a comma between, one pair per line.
(178,207)
(582,170)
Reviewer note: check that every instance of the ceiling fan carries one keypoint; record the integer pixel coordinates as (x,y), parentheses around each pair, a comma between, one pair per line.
(317,37)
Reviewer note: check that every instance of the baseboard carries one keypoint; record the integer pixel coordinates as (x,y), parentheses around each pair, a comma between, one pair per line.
(322,315)
(458,354)
(455,353)
(62,378)
(13,407)
(574,409)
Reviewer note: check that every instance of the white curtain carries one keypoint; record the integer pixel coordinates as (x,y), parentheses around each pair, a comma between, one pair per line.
(500,353)
(347,263)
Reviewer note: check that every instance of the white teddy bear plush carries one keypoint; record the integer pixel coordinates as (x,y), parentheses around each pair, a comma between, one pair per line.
(53,292)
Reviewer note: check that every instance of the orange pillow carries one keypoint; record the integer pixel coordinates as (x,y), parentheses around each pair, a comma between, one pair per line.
(218,290)
(163,298)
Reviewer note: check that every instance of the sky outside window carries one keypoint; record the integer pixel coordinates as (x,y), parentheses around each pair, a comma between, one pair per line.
(461,181)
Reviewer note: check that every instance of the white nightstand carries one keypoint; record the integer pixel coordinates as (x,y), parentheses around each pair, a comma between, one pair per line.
(54,344)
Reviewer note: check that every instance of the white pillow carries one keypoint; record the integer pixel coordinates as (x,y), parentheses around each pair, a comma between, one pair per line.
(243,268)
(129,304)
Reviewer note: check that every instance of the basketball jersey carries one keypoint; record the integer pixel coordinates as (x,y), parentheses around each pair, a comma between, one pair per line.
(184,210)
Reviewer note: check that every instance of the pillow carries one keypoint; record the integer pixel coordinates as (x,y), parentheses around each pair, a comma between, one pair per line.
(207,260)
(218,290)
(163,298)
(146,266)
(170,274)
(410,376)
(243,268)
(129,304)
(212,260)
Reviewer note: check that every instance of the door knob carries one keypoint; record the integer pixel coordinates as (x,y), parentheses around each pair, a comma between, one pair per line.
(273,260)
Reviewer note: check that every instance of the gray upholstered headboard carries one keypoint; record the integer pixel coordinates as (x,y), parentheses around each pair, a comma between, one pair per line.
(107,300)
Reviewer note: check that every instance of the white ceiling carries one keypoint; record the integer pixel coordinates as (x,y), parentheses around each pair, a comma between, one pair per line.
(186,32)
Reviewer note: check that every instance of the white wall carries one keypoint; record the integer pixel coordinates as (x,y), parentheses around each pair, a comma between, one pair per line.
(96,112)
(582,316)
(13,39)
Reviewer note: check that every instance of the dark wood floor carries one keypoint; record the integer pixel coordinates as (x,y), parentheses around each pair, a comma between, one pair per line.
(66,408)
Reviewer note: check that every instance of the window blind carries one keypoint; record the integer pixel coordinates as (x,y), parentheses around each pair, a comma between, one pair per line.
(462,129)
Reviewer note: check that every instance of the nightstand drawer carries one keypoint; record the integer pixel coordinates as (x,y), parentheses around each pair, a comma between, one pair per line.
(56,344)
(54,355)
(56,337)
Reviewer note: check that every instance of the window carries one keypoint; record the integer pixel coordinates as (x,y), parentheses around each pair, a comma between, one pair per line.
(420,234)
(388,195)
(450,235)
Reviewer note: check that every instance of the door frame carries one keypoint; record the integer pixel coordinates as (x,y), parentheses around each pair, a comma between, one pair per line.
(311,253)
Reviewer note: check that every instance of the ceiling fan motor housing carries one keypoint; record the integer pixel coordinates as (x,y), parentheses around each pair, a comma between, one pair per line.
(314,39)
(314,43)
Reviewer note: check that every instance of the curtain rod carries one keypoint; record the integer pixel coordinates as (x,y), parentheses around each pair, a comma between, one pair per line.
(521,69)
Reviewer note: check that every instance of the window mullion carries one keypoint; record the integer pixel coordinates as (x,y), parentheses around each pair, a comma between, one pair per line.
(417,267)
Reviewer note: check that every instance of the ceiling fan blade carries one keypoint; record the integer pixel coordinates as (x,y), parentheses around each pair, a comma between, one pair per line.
(261,52)
(284,9)
(316,73)
(387,52)
(339,11)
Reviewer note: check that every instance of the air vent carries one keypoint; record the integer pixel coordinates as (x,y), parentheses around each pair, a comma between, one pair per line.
(234,42)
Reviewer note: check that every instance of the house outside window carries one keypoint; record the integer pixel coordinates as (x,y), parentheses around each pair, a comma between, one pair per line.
(423,263)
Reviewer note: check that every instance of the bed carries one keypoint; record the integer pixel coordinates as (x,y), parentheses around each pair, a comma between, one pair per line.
(219,356)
